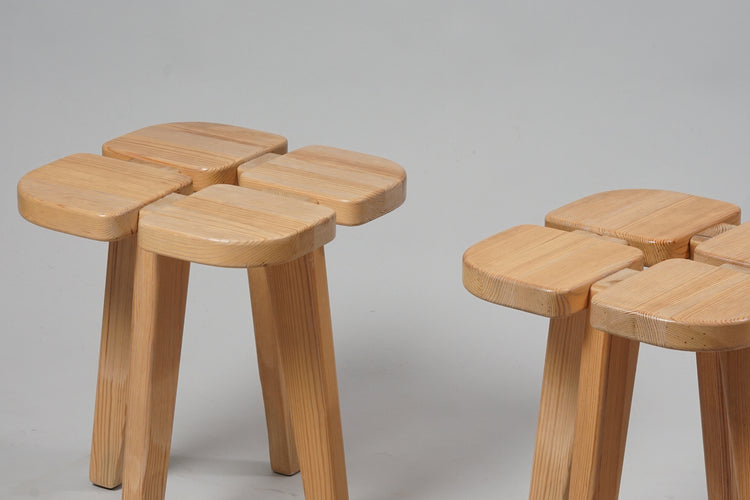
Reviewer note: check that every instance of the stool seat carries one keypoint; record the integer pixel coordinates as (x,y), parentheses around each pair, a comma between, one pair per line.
(358,186)
(207,152)
(678,304)
(543,270)
(658,222)
(230,226)
(730,247)
(94,197)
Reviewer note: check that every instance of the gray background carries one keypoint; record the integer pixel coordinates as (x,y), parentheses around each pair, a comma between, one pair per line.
(499,112)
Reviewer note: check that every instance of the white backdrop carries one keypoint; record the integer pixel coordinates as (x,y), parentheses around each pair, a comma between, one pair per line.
(498,111)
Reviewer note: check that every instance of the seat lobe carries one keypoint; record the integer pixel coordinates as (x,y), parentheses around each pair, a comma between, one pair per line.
(230,226)
(678,304)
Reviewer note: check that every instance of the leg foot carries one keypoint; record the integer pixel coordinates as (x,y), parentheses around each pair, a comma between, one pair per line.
(282,448)
(114,362)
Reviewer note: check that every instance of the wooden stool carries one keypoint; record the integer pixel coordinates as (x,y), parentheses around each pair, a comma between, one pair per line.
(686,305)
(678,304)
(100,198)
(357,186)
(235,227)
(550,272)
(661,224)
(664,225)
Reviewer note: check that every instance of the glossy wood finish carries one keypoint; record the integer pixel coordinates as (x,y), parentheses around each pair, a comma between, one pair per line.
(105,468)
(158,318)
(542,270)
(660,223)
(94,197)
(298,292)
(359,187)
(207,152)
(678,304)
(230,226)
(281,443)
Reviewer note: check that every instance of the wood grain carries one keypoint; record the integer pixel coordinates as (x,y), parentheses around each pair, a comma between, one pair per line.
(542,270)
(231,226)
(282,446)
(553,453)
(94,197)
(731,247)
(357,186)
(207,152)
(722,376)
(605,393)
(660,223)
(678,304)
(717,450)
(736,384)
(298,292)
(158,318)
(105,468)
(707,234)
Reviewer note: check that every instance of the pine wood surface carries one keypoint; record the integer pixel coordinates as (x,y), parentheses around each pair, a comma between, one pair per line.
(679,304)
(736,387)
(717,450)
(94,197)
(553,451)
(231,226)
(708,234)
(722,376)
(359,187)
(207,152)
(105,468)
(660,223)
(158,318)
(542,270)
(298,294)
(281,443)
(605,393)
(732,247)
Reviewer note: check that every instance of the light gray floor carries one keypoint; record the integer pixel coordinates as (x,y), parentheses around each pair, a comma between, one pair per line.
(498,112)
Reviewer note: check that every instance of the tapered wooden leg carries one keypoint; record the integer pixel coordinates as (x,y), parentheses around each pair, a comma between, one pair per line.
(716,441)
(550,474)
(114,361)
(736,381)
(605,392)
(282,448)
(158,317)
(298,291)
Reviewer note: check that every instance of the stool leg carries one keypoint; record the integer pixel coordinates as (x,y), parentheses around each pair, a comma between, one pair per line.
(550,473)
(298,291)
(158,317)
(282,448)
(736,381)
(608,365)
(716,440)
(105,468)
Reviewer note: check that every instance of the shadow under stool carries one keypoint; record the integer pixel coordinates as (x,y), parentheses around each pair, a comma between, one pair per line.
(579,449)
